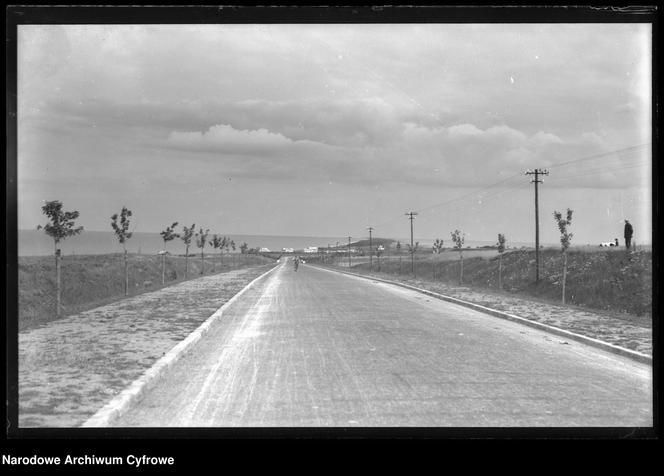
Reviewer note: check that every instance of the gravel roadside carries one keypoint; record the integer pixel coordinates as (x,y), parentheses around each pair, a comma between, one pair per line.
(625,331)
(71,367)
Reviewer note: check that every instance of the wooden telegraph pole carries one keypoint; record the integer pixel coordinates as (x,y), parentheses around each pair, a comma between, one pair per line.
(411,216)
(536,173)
(370,250)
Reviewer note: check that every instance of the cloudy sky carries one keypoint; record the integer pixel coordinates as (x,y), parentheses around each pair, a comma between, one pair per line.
(323,130)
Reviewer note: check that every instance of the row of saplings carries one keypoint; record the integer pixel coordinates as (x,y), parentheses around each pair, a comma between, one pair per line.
(565,241)
(62,225)
(458,238)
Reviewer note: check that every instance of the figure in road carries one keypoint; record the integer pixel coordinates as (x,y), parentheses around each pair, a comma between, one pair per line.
(629,231)
(296,262)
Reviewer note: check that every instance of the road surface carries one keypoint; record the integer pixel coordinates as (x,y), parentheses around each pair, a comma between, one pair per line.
(318,348)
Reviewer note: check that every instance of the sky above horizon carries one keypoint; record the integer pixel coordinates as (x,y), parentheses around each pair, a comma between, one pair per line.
(324,130)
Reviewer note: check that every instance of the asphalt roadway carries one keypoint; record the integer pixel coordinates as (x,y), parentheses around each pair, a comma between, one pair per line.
(317,348)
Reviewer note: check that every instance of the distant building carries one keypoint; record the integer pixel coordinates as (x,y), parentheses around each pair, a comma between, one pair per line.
(287,250)
(311,249)
(264,250)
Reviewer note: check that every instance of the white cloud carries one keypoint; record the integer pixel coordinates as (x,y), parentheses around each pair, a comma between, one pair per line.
(223,138)
(464,131)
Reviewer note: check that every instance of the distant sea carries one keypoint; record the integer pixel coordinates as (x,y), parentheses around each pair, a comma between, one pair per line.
(37,243)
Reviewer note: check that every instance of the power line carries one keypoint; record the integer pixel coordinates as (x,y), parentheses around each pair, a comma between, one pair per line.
(597,156)
(599,170)
(447,202)
(519,186)
(468,194)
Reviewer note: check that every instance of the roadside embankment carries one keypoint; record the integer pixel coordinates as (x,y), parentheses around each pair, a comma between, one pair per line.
(598,279)
(90,281)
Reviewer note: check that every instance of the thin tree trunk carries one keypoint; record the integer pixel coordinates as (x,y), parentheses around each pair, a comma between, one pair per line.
(126,273)
(202,262)
(186,261)
(58,288)
(461,270)
(163,266)
(564,274)
(500,272)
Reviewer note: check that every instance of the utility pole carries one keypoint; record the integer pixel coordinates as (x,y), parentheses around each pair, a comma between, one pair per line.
(349,252)
(411,216)
(537,173)
(370,250)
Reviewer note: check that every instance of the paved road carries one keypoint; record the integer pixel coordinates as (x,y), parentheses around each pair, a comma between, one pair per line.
(317,348)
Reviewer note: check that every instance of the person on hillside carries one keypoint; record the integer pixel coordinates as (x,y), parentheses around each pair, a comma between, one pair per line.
(629,231)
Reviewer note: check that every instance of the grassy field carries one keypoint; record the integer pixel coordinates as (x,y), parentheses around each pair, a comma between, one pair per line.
(598,278)
(89,281)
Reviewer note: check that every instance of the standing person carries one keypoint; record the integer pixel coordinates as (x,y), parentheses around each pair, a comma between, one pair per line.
(296,262)
(629,231)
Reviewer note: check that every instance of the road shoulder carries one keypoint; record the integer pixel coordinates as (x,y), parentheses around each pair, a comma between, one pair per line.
(592,328)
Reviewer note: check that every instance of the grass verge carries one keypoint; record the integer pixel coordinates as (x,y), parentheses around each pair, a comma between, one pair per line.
(611,281)
(90,281)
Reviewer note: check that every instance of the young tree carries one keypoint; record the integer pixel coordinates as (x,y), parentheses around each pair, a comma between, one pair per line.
(121,231)
(230,244)
(218,242)
(398,248)
(501,250)
(565,240)
(437,249)
(458,238)
(167,235)
(61,226)
(378,251)
(412,249)
(243,251)
(187,234)
(438,246)
(201,241)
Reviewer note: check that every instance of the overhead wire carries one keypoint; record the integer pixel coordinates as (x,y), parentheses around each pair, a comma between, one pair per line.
(621,154)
